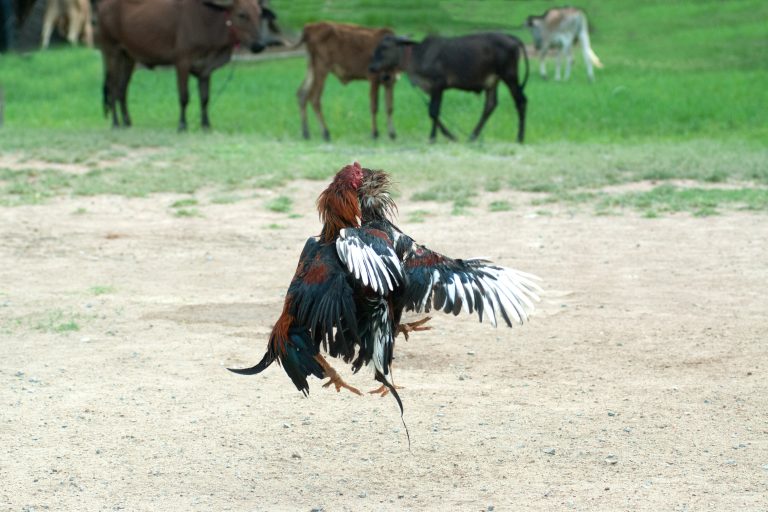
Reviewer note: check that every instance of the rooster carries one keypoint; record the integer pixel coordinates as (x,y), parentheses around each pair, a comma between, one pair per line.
(333,276)
(432,280)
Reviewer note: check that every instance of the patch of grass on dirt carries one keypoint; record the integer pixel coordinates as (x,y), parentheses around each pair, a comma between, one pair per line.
(701,202)
(187,212)
(281,204)
(182,203)
(500,206)
(418,216)
(57,321)
(102,290)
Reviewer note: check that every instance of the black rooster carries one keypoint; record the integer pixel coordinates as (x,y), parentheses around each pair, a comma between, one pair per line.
(333,276)
(432,280)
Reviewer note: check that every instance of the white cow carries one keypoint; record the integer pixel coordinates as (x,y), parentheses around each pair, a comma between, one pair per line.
(72,17)
(562,27)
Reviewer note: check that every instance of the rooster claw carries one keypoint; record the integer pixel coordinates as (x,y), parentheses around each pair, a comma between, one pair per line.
(413,326)
(334,377)
(384,390)
(339,383)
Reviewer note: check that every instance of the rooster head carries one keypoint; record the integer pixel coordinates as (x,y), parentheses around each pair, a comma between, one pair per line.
(374,195)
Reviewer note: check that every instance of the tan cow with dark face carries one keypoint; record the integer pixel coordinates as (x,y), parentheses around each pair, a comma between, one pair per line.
(344,50)
(562,27)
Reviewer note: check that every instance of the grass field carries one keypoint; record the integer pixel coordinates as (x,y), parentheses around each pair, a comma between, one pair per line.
(683,96)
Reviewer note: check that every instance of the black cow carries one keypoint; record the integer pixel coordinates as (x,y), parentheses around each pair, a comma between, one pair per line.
(471,63)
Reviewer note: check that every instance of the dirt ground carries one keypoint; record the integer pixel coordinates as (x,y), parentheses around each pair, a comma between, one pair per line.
(639,384)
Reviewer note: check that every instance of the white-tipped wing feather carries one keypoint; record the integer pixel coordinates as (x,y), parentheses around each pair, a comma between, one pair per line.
(370,259)
(436,281)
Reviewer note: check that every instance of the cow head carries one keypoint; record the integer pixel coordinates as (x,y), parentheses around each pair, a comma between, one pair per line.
(249,21)
(388,55)
(535,24)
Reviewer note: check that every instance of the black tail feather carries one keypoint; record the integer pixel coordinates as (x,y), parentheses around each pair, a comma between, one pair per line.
(380,378)
(262,365)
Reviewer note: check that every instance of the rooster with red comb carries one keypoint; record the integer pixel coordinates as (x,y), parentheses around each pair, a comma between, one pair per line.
(320,308)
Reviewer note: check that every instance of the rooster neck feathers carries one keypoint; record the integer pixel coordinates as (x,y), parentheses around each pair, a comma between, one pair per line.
(338,205)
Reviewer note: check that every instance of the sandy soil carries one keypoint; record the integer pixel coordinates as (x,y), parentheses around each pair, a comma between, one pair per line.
(640,383)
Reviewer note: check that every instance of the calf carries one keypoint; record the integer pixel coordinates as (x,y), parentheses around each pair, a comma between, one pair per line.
(471,63)
(72,15)
(344,50)
(562,27)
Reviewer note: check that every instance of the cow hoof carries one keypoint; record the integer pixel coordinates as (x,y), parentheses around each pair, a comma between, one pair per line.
(375,135)
(432,140)
(472,138)
(327,137)
(392,135)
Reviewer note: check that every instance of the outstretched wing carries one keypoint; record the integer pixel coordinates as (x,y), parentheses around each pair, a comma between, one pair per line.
(370,258)
(322,299)
(452,285)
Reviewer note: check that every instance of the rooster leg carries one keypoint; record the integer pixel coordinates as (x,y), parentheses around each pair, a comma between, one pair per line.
(413,326)
(333,377)
(384,390)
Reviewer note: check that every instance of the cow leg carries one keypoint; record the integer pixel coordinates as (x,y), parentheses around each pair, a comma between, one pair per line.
(126,66)
(87,26)
(568,51)
(490,106)
(75,22)
(302,95)
(435,101)
(389,88)
(315,92)
(203,87)
(182,84)
(542,62)
(559,63)
(520,102)
(51,14)
(374,99)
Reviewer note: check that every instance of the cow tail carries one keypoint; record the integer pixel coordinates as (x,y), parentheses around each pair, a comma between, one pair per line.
(301,41)
(527,65)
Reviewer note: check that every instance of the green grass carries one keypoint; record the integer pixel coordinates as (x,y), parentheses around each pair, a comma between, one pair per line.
(280,204)
(102,290)
(682,96)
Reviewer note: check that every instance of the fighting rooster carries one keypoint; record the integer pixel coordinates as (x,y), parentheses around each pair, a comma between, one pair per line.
(432,280)
(333,276)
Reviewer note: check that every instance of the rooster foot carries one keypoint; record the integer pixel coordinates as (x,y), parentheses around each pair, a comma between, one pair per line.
(384,390)
(413,326)
(334,378)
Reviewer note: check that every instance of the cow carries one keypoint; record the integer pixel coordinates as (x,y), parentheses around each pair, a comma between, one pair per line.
(344,50)
(470,63)
(72,16)
(562,27)
(195,36)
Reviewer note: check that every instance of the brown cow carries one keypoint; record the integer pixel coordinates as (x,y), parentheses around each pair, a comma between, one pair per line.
(74,16)
(344,50)
(196,36)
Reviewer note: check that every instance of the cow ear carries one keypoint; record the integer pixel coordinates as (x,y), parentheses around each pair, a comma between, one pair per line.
(268,14)
(404,41)
(224,4)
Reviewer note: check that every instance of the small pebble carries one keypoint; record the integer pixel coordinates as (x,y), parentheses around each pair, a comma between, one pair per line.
(363,495)
(490,508)
(295,456)
(549,451)
(286,425)
(611,459)
(611,413)
(730,462)
(471,353)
